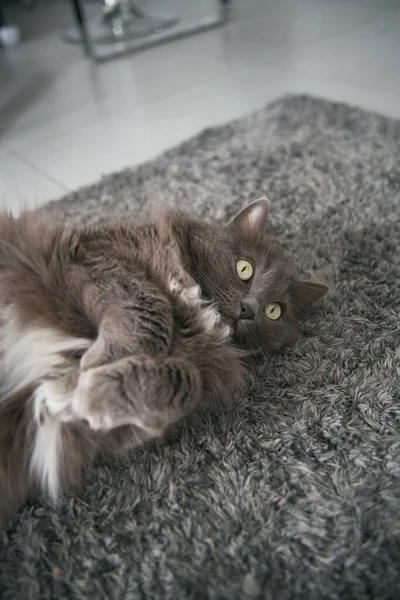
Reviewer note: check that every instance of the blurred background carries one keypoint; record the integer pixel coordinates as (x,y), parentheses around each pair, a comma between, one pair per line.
(67,118)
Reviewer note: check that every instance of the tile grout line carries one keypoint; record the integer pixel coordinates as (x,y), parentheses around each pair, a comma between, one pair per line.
(33,166)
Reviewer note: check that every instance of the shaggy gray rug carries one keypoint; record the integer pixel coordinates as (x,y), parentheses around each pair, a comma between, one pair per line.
(294,492)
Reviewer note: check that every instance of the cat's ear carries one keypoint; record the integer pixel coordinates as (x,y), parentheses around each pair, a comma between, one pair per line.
(252,219)
(306,292)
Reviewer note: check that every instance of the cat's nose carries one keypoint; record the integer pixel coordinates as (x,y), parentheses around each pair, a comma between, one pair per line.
(248,309)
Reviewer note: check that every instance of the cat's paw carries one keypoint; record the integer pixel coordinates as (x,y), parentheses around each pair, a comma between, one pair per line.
(210,318)
(212,321)
(53,398)
(209,315)
(92,399)
(99,400)
(189,294)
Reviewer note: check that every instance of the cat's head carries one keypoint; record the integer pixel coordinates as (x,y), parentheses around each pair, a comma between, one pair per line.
(247,275)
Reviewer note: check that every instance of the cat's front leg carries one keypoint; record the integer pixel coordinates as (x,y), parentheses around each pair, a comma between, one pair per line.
(148,393)
(139,324)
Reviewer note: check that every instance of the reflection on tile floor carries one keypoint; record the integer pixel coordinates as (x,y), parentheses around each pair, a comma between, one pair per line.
(64,121)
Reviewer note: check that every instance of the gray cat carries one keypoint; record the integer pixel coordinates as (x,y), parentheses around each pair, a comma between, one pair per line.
(109,335)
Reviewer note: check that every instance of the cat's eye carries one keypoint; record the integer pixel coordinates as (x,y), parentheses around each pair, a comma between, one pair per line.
(244,269)
(273,311)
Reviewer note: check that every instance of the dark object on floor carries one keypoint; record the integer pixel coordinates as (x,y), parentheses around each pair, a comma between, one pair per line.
(122,26)
(10,35)
(295,492)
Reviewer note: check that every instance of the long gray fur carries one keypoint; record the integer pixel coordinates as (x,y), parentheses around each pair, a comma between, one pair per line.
(295,491)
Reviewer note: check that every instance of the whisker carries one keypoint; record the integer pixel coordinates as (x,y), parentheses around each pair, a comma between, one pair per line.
(214,287)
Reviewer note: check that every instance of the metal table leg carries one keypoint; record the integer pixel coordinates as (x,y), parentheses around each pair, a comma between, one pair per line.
(123,28)
(81,23)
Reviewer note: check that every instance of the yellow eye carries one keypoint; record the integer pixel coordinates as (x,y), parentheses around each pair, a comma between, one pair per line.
(273,311)
(244,269)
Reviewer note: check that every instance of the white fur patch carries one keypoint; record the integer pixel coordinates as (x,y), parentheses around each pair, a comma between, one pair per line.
(192,295)
(30,353)
(54,398)
(46,456)
(189,295)
(52,405)
(174,285)
(210,316)
(52,402)
(212,320)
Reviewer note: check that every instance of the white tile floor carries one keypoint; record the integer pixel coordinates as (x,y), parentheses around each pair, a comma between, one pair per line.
(64,121)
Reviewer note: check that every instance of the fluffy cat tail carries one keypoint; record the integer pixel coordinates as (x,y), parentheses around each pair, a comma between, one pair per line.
(16,434)
(36,364)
